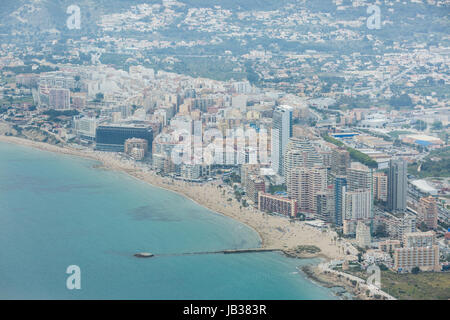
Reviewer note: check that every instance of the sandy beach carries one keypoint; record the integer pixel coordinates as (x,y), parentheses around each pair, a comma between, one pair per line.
(276,232)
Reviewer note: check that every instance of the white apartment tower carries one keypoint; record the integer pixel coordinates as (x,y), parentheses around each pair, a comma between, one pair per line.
(281,132)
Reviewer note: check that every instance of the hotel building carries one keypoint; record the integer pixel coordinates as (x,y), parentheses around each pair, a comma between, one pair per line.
(112,138)
(419,250)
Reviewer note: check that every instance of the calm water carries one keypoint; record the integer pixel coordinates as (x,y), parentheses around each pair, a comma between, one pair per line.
(57,211)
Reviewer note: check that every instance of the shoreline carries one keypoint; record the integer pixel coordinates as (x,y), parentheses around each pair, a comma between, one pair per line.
(261,240)
(78,153)
(267,227)
(313,274)
(274,232)
(358,288)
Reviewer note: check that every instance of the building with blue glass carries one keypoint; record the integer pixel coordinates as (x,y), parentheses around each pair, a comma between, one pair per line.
(112,138)
(339,188)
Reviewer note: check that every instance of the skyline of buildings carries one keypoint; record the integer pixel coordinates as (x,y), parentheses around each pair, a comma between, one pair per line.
(241,136)
(352,143)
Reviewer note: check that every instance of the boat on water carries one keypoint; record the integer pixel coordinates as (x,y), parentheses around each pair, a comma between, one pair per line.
(144,255)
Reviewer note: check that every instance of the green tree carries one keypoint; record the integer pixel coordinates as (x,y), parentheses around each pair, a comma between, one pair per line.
(238,195)
(437,125)
(380,231)
(415,270)
(420,125)
(99,97)
(403,100)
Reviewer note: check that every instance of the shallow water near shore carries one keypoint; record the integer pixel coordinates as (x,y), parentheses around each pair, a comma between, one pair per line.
(58,210)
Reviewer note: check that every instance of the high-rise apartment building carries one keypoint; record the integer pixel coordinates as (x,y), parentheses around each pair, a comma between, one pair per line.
(299,153)
(397,185)
(404,225)
(281,132)
(360,187)
(380,186)
(359,177)
(340,184)
(326,158)
(357,205)
(59,98)
(325,206)
(340,161)
(248,170)
(305,183)
(85,127)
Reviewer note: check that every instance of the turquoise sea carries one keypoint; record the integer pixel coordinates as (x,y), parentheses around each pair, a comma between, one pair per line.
(58,210)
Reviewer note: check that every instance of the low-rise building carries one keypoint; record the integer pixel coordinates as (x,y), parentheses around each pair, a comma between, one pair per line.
(191,171)
(389,245)
(425,258)
(276,204)
(419,250)
(136,148)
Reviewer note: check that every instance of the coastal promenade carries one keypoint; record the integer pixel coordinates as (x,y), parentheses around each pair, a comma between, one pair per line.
(324,267)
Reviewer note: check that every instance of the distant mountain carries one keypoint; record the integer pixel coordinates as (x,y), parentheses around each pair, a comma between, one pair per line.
(335,23)
(43,15)
(47,15)
(41,18)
